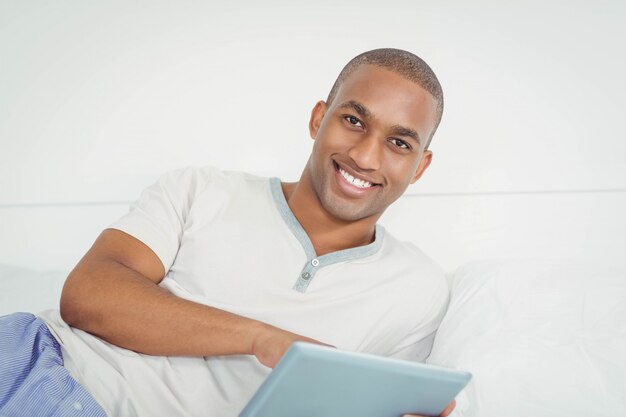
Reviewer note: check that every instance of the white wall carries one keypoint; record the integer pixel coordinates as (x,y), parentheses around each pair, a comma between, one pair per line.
(98,98)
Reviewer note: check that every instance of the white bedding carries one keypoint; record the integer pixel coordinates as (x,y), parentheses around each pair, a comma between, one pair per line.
(541,338)
(29,290)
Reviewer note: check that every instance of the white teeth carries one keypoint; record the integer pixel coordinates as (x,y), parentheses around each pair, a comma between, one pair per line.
(354,181)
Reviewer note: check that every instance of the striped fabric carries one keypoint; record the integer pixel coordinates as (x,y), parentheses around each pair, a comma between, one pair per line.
(33,380)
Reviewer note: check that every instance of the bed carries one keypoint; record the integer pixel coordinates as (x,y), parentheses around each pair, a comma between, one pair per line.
(538,301)
(523,206)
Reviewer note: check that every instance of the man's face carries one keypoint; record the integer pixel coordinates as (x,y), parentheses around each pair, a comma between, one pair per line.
(369,143)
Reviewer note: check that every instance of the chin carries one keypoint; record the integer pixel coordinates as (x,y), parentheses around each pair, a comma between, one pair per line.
(345,211)
(340,207)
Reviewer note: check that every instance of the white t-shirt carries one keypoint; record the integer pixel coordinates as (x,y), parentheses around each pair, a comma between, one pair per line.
(229,240)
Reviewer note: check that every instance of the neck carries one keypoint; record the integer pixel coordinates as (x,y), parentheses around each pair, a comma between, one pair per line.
(327,233)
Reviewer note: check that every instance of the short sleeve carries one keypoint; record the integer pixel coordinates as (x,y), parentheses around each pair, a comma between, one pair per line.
(158,217)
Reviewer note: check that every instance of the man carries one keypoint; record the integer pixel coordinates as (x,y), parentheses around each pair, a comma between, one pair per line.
(198,291)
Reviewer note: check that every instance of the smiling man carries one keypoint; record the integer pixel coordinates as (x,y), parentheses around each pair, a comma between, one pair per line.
(187,302)
(370,138)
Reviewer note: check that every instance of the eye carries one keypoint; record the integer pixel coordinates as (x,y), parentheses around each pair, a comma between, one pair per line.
(353,121)
(400,143)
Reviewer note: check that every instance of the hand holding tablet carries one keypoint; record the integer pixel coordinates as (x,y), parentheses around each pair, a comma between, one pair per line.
(445,413)
(318,381)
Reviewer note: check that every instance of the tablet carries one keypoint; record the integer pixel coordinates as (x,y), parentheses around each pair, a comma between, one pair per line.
(318,381)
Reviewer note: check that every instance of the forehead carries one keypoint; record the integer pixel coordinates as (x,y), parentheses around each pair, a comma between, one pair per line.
(391,98)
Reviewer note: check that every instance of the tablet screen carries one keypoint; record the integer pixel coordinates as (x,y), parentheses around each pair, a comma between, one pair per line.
(318,381)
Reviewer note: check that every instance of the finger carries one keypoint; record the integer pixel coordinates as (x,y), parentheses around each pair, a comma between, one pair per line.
(449,409)
(445,412)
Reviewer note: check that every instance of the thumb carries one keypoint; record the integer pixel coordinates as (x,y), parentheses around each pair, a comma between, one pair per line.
(444,413)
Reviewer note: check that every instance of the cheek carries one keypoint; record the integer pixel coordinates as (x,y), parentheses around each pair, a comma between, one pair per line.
(402,170)
(329,141)
(320,151)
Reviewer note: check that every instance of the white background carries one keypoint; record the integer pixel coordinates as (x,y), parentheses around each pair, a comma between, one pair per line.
(97,99)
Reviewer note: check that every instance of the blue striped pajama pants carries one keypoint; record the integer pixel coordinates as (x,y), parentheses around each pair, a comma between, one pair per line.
(33,380)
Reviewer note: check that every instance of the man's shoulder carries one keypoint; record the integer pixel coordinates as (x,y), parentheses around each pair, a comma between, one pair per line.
(412,260)
(195,179)
(210,172)
(407,250)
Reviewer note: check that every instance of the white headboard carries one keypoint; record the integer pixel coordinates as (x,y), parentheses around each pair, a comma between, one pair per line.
(99,98)
(452,229)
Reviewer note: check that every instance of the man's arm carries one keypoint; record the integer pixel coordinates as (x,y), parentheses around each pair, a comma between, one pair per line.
(113,293)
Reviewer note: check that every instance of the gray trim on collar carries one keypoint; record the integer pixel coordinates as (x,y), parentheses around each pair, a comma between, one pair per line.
(314,262)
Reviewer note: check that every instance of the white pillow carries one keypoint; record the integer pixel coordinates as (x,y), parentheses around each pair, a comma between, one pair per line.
(28,290)
(540,338)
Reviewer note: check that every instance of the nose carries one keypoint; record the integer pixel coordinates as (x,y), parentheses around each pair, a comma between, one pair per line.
(367,152)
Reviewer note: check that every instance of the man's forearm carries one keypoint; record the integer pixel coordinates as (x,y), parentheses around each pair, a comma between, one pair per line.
(124,308)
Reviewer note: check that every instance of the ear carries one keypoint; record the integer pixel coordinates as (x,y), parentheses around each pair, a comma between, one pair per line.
(317,114)
(427,157)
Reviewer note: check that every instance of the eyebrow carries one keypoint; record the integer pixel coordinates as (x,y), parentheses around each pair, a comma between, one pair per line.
(365,113)
(357,107)
(405,131)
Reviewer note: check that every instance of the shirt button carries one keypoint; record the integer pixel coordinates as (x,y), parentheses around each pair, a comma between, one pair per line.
(315,262)
(77,406)
(306,276)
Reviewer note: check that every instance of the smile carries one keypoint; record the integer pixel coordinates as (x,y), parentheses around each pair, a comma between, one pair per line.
(355,181)
(350,179)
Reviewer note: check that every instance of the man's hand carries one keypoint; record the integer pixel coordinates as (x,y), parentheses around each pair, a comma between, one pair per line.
(445,412)
(271,343)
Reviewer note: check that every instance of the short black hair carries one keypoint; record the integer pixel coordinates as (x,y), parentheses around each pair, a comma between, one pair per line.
(403,63)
